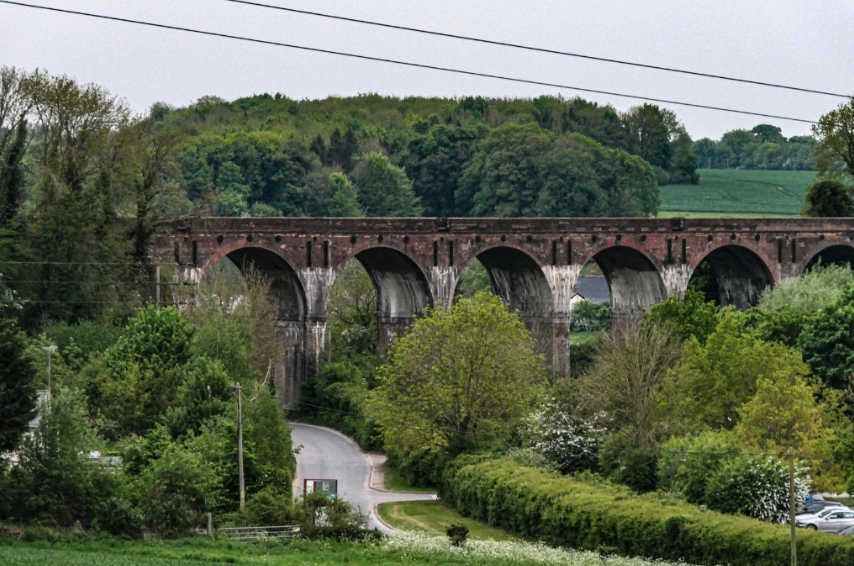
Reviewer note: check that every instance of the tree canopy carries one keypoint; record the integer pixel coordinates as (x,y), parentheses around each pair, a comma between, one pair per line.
(459,378)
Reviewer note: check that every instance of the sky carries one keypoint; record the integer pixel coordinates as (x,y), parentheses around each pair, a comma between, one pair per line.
(799,43)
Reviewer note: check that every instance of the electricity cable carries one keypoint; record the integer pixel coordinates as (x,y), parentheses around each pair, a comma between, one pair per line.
(405,63)
(533,48)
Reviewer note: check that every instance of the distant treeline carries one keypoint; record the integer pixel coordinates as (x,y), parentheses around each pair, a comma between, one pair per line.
(763,147)
(374,155)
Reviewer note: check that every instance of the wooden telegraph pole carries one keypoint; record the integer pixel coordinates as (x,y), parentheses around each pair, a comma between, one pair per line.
(792,510)
(240,445)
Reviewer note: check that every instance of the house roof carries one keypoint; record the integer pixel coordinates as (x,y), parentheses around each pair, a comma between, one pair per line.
(593,289)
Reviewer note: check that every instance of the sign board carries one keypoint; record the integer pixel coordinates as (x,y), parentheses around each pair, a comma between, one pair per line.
(327,486)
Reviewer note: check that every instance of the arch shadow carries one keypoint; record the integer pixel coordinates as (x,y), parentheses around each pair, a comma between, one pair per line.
(834,254)
(403,290)
(737,276)
(633,280)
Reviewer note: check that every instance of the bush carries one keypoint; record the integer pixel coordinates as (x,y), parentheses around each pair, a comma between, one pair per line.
(270,506)
(587,316)
(687,473)
(566,512)
(567,442)
(756,487)
(458,533)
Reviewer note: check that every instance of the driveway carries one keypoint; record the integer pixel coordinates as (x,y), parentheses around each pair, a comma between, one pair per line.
(328,454)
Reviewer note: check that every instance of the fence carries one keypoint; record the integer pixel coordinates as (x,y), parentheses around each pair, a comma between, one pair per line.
(258,534)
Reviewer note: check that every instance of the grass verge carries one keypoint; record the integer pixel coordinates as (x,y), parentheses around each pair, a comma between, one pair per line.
(433,518)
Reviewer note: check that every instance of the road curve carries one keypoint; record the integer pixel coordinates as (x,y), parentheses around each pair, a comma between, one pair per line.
(328,454)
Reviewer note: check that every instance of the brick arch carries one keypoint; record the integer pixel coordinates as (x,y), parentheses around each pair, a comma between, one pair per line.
(828,252)
(634,277)
(740,273)
(517,276)
(269,260)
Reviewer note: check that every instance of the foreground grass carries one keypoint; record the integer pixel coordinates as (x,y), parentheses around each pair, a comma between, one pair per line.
(577,337)
(405,549)
(738,193)
(433,518)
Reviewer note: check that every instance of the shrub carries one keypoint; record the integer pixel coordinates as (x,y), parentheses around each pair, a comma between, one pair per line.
(458,533)
(687,473)
(566,512)
(588,316)
(567,442)
(756,487)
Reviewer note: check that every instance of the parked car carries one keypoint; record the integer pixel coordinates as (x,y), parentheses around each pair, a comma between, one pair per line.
(833,520)
(817,505)
(807,517)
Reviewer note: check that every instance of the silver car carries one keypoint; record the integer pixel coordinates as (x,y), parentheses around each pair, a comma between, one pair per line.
(830,520)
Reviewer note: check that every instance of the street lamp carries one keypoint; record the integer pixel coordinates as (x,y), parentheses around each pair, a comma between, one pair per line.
(50,350)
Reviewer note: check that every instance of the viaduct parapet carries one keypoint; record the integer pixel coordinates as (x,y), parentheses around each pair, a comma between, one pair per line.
(533,264)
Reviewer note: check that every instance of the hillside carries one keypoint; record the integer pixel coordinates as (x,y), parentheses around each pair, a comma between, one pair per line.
(738,192)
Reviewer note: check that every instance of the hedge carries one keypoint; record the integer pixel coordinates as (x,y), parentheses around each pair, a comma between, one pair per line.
(563,511)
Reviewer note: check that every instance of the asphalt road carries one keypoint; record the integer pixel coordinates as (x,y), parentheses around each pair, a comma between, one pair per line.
(328,454)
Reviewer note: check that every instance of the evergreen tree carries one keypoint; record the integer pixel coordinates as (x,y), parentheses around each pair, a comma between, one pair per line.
(17,395)
(12,176)
(384,189)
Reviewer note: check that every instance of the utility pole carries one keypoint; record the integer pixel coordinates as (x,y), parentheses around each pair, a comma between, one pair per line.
(50,350)
(240,445)
(157,283)
(791,454)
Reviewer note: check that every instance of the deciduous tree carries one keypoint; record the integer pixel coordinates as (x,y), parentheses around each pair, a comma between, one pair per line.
(459,379)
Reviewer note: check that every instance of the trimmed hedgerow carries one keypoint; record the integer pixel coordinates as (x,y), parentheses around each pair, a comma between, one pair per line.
(576,514)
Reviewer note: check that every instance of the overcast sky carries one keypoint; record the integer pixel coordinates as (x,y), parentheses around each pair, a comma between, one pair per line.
(800,43)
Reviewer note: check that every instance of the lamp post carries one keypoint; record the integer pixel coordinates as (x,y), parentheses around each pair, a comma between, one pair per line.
(240,445)
(50,350)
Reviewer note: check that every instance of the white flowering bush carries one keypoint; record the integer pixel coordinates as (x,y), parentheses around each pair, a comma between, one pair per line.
(588,316)
(506,552)
(567,443)
(756,487)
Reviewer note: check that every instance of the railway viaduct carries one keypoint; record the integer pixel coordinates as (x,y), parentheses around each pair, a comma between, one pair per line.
(533,264)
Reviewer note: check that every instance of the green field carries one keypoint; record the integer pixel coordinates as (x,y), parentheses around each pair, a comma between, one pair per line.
(736,192)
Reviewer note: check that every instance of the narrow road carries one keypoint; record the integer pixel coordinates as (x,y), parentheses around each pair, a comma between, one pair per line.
(328,454)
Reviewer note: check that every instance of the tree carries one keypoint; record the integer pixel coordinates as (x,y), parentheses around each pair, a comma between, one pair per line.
(154,149)
(717,378)
(141,381)
(649,136)
(18,395)
(786,413)
(57,481)
(435,161)
(828,198)
(768,133)
(503,177)
(827,344)
(816,288)
(383,188)
(343,199)
(459,379)
(692,316)
(835,135)
(627,380)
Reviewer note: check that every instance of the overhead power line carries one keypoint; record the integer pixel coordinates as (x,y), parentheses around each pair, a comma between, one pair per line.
(405,63)
(535,49)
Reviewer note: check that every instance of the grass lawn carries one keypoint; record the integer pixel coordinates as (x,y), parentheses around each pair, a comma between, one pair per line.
(581,337)
(738,193)
(433,518)
(395,482)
